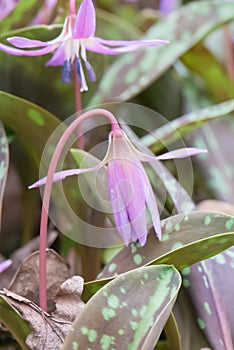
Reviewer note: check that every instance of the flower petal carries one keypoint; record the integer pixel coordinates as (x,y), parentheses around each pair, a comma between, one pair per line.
(178,153)
(153,208)
(98,45)
(4,265)
(117,203)
(58,57)
(22,42)
(138,43)
(19,52)
(181,153)
(85,24)
(61,175)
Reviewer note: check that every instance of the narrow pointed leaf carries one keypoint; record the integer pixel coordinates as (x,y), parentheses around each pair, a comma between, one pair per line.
(12,320)
(197,59)
(130,310)
(192,337)
(4,162)
(169,133)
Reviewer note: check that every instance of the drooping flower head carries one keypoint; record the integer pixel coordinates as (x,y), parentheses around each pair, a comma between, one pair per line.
(77,36)
(130,192)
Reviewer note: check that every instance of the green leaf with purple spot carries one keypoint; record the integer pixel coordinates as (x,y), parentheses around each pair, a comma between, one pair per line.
(131,310)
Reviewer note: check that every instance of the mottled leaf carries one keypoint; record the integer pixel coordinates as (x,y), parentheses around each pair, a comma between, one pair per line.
(186,239)
(184,28)
(14,322)
(218,169)
(31,123)
(4,162)
(21,15)
(130,310)
(210,285)
(172,131)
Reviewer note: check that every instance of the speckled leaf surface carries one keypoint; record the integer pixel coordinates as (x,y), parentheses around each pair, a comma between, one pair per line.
(210,285)
(186,239)
(128,313)
(218,168)
(4,162)
(31,124)
(186,123)
(184,28)
(21,15)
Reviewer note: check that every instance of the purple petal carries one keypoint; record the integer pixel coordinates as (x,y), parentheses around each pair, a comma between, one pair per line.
(85,24)
(155,216)
(118,206)
(67,71)
(90,71)
(126,178)
(137,206)
(19,52)
(96,45)
(134,43)
(58,57)
(22,42)
(61,175)
(181,153)
(4,265)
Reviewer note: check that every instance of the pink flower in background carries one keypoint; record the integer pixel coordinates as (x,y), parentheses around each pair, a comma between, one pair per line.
(44,14)
(4,265)
(6,6)
(167,6)
(130,192)
(76,38)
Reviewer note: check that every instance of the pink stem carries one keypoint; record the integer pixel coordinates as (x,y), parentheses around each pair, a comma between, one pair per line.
(47,193)
(72,7)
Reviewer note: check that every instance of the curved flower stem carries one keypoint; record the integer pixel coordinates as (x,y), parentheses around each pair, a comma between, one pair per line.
(47,193)
(72,7)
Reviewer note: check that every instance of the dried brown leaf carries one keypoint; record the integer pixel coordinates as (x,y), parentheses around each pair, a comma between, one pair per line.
(26,280)
(68,299)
